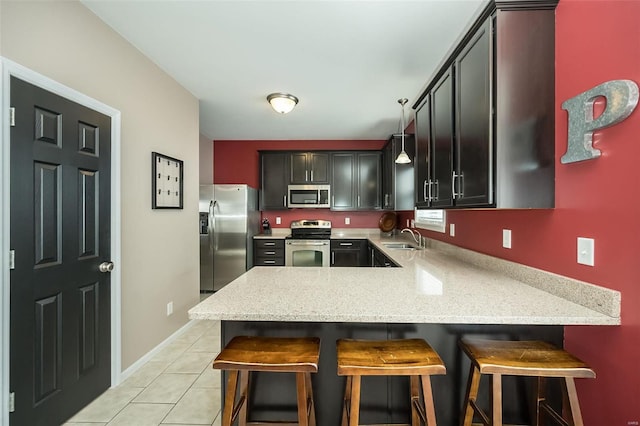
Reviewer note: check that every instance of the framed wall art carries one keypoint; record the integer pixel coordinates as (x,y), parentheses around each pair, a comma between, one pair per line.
(166,180)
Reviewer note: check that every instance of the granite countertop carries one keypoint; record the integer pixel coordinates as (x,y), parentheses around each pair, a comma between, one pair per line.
(437,284)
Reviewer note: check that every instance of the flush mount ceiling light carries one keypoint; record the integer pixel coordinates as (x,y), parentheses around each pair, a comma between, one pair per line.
(282,102)
(403,158)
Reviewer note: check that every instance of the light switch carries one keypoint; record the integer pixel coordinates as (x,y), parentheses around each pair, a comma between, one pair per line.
(506,238)
(452,229)
(347,221)
(586,251)
(278,220)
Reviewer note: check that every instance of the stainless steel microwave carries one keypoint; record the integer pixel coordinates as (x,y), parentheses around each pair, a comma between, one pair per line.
(309,196)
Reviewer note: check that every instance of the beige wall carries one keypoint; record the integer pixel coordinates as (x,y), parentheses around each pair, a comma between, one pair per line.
(64,41)
(206,160)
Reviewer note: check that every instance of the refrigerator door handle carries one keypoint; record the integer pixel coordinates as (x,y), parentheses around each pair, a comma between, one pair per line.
(212,218)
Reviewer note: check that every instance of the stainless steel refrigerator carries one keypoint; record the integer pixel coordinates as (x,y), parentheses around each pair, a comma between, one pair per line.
(229,218)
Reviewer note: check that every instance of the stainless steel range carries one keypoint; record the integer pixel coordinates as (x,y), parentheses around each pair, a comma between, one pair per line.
(308,244)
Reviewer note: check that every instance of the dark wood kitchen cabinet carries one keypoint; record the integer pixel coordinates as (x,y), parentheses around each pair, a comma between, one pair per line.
(485,122)
(349,252)
(398,179)
(422,167)
(268,252)
(442,141)
(356,179)
(274,180)
(380,260)
(309,167)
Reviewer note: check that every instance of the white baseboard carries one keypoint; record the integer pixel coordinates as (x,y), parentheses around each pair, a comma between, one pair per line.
(153,352)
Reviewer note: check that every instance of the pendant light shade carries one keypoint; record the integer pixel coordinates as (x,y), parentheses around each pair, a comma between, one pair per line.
(282,102)
(403,158)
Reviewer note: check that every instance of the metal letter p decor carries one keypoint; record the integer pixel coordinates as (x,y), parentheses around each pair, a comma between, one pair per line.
(621,99)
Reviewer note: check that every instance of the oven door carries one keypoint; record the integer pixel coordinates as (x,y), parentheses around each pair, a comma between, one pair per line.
(306,253)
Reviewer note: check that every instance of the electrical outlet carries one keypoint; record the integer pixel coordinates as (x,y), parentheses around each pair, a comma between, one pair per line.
(506,238)
(586,251)
(452,229)
(278,220)
(413,223)
(347,221)
(169,308)
(407,223)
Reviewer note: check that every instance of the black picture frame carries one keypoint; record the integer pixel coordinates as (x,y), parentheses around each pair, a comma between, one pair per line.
(167,184)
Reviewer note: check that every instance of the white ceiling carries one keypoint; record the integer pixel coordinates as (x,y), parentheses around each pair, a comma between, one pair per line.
(347,61)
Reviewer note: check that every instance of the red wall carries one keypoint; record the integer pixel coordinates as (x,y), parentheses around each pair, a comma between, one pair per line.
(596,41)
(246,170)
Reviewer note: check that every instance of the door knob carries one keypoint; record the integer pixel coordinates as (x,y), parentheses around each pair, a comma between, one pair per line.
(106,267)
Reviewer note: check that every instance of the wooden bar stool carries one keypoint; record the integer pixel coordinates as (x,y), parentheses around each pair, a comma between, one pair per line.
(522,358)
(244,355)
(404,357)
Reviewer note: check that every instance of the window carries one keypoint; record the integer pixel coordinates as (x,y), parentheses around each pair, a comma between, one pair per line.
(434,220)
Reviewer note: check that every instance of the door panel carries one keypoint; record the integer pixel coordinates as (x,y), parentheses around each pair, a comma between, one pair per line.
(60,343)
(442,130)
(473,138)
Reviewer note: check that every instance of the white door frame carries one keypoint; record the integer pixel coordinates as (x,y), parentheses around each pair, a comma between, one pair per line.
(8,69)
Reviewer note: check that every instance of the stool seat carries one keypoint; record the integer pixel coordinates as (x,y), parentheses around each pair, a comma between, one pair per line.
(274,354)
(244,355)
(402,357)
(522,358)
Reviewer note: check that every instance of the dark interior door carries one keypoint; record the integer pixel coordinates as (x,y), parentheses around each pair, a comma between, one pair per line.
(60,356)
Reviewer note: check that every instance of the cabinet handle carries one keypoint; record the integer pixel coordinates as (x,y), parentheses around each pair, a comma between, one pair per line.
(269,253)
(269,262)
(424,190)
(429,197)
(346,244)
(269,244)
(306,175)
(284,200)
(386,200)
(333,257)
(311,175)
(456,194)
(358,201)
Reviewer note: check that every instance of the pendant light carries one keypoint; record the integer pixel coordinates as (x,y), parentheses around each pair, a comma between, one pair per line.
(403,158)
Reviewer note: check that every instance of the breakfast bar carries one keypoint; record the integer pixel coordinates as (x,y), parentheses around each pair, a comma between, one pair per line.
(440,293)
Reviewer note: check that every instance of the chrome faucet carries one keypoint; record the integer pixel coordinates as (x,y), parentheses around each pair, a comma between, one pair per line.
(416,238)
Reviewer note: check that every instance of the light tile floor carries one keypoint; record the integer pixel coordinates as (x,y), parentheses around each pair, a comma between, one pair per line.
(177,387)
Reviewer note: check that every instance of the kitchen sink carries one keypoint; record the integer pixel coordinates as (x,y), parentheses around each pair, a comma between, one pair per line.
(401,246)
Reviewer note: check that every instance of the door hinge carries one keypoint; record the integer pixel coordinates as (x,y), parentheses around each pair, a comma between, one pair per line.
(12,402)
(12,259)
(12,116)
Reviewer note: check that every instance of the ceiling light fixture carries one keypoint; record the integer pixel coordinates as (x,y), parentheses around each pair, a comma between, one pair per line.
(403,158)
(282,102)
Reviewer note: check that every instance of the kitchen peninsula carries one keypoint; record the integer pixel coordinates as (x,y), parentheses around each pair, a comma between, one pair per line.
(440,293)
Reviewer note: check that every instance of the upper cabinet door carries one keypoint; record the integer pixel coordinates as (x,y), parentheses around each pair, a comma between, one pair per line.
(309,167)
(424,185)
(299,170)
(474,168)
(442,132)
(369,180)
(343,182)
(274,180)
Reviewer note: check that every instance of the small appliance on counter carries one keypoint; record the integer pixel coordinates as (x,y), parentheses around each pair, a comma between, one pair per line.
(266,226)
